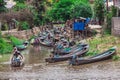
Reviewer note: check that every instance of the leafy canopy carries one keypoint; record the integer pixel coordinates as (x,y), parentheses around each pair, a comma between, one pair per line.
(2,6)
(67,9)
(82,9)
(99,9)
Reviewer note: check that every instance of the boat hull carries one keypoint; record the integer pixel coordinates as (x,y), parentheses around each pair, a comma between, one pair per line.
(100,57)
(81,52)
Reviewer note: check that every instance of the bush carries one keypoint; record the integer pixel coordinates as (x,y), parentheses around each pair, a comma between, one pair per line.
(4,27)
(61,10)
(67,9)
(99,11)
(116,57)
(19,6)
(5,47)
(15,41)
(24,26)
(81,9)
(110,14)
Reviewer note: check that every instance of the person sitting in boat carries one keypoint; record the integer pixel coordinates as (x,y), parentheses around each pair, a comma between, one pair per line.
(17,56)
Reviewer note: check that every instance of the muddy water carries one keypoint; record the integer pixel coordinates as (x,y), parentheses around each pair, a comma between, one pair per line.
(36,69)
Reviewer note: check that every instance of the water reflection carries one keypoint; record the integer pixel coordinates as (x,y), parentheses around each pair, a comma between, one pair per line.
(36,55)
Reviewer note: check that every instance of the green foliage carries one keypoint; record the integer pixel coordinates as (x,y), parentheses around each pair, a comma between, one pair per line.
(24,26)
(5,47)
(0,34)
(67,9)
(116,57)
(99,10)
(2,6)
(62,10)
(92,53)
(110,14)
(39,11)
(19,6)
(32,37)
(82,9)
(4,27)
(20,1)
(15,41)
(114,11)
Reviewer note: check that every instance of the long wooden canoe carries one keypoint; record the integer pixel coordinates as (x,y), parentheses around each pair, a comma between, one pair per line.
(22,46)
(82,50)
(99,57)
(67,50)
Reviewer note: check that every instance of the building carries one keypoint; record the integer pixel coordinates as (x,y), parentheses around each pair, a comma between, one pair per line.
(116,20)
(117,3)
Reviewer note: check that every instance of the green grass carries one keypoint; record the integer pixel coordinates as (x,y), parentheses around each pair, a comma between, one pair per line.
(15,41)
(5,57)
(100,44)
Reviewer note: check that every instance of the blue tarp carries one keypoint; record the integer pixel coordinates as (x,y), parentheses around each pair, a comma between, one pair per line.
(79,26)
(75,26)
(87,20)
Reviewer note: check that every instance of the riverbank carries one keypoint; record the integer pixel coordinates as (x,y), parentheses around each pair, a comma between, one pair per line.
(97,44)
(4,58)
(100,44)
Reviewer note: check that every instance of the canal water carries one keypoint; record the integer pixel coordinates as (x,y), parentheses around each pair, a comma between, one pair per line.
(36,68)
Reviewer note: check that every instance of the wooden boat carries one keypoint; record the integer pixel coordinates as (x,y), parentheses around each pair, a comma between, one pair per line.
(103,56)
(46,43)
(23,46)
(17,63)
(82,50)
(67,50)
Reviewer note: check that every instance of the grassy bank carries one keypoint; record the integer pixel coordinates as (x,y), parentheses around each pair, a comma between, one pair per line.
(100,44)
(6,46)
(5,57)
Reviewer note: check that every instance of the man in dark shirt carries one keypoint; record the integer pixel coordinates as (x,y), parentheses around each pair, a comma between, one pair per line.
(17,56)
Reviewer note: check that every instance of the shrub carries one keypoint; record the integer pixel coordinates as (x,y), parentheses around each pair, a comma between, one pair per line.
(81,9)
(4,27)
(5,47)
(61,10)
(116,57)
(24,26)
(19,6)
(15,41)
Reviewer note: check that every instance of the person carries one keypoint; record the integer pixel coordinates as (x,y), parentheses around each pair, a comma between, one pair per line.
(17,56)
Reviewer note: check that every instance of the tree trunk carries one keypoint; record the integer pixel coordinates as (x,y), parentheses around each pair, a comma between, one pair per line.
(107,4)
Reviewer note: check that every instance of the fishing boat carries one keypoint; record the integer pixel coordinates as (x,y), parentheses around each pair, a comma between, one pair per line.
(56,58)
(17,62)
(46,43)
(67,50)
(22,46)
(99,57)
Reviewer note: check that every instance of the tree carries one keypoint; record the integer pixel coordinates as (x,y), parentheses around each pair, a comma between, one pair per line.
(61,10)
(39,11)
(2,6)
(82,9)
(99,9)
